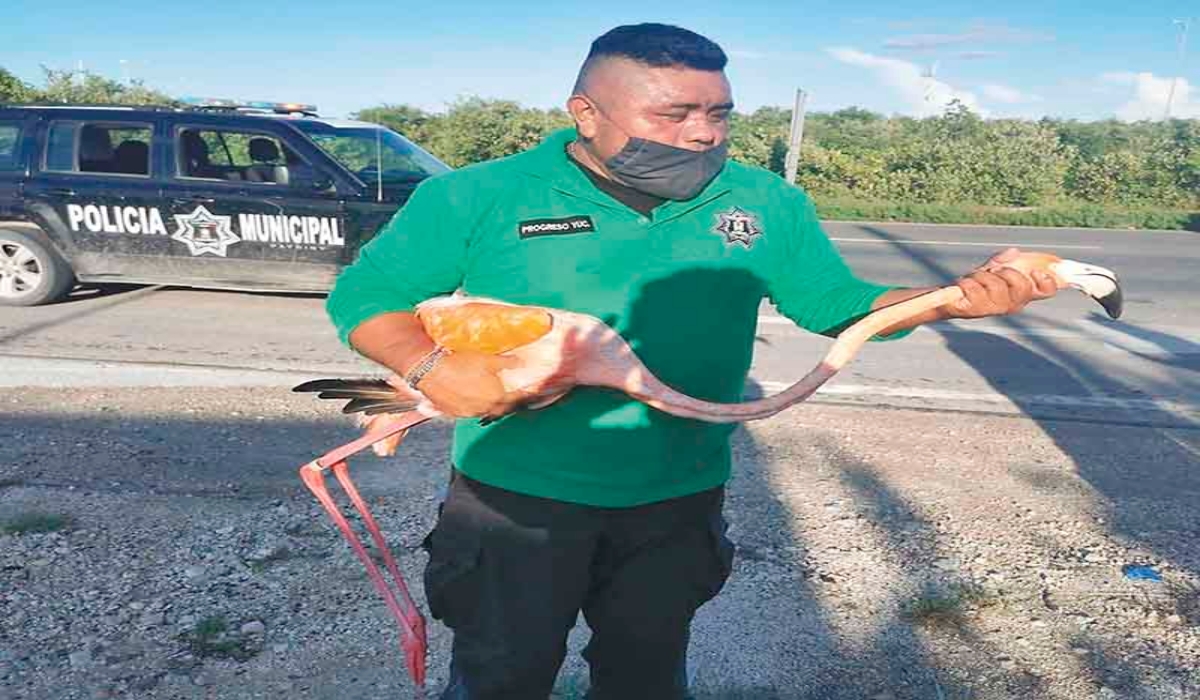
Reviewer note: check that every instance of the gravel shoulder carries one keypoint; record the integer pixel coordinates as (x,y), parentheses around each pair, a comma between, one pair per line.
(883,553)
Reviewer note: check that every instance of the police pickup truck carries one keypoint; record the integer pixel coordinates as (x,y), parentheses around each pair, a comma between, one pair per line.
(215,194)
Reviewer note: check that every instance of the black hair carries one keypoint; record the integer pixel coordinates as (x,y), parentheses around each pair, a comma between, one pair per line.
(657,45)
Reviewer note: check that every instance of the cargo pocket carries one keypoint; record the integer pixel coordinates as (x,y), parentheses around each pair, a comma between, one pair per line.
(452,575)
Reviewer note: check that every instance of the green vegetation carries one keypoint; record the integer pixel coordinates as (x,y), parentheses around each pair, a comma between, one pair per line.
(472,129)
(275,556)
(1067,214)
(954,168)
(35,521)
(211,637)
(14,90)
(78,87)
(947,609)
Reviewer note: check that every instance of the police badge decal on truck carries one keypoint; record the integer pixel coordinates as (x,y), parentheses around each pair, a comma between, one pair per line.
(204,233)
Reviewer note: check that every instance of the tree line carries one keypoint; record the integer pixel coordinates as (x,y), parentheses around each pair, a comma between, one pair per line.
(851,154)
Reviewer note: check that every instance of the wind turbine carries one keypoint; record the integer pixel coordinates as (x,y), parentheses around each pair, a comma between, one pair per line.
(930,76)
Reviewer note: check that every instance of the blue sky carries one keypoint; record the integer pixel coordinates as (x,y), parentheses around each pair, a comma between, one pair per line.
(1086,60)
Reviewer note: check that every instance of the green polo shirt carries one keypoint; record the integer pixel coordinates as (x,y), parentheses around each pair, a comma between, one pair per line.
(682,286)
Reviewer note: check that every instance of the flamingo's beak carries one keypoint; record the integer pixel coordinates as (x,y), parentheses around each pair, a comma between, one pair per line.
(1097,282)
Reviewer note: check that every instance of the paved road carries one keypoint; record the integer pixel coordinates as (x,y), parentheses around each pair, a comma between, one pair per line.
(1060,357)
(1050,449)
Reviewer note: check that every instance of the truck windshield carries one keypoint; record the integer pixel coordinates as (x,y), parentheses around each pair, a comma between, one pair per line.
(356,148)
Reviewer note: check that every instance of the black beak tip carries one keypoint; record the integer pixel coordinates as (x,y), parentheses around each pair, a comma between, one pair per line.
(1113,303)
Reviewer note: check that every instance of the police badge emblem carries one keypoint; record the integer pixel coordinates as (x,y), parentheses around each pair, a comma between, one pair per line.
(738,226)
(203,232)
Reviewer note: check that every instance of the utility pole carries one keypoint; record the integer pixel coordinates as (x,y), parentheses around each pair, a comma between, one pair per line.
(795,137)
(1184,24)
(930,77)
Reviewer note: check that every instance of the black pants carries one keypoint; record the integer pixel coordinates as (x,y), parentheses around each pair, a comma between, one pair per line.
(509,574)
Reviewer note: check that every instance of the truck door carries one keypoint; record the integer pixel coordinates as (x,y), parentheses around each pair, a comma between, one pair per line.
(13,130)
(250,210)
(94,188)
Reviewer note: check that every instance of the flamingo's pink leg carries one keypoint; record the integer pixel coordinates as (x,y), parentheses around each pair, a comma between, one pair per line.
(412,623)
(414,641)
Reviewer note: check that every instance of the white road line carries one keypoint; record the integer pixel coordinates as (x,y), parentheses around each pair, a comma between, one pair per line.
(1047,229)
(1047,400)
(78,374)
(1157,342)
(981,244)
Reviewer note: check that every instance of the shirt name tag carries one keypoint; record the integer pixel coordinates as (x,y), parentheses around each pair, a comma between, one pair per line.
(555,227)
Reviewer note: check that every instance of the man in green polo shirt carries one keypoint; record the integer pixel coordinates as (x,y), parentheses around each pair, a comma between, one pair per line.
(598,503)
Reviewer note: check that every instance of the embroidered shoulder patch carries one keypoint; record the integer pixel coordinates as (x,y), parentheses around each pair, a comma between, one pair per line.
(738,226)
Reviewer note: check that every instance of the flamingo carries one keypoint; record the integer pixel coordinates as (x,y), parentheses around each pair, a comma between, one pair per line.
(559,350)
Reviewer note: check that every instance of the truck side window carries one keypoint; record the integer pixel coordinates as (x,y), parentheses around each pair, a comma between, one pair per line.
(10,134)
(60,147)
(241,156)
(115,149)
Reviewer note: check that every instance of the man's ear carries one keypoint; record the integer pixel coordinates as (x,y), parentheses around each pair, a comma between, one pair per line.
(585,115)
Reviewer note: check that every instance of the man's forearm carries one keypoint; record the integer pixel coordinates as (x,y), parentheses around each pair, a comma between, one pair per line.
(898,295)
(395,340)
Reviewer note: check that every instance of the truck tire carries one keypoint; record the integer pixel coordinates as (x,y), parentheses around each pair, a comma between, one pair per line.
(31,271)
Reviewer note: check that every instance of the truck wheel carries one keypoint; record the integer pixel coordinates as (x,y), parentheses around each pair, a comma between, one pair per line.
(31,272)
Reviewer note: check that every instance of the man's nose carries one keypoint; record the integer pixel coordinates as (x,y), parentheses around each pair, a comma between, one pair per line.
(702,133)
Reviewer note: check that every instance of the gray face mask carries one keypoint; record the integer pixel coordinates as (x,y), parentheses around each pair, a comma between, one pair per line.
(664,170)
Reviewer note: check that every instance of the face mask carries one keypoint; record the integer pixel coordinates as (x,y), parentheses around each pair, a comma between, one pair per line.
(663,170)
(666,171)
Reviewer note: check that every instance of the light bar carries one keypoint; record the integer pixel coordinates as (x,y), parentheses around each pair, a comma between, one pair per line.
(282,107)
(209,102)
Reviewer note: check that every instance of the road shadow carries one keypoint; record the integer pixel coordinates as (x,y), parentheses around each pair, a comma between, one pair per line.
(740,648)
(280,293)
(1155,346)
(939,601)
(789,618)
(88,291)
(771,634)
(1145,500)
(99,291)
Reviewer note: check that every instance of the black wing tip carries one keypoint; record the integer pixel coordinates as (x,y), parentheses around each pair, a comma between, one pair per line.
(366,396)
(374,407)
(340,384)
(317,385)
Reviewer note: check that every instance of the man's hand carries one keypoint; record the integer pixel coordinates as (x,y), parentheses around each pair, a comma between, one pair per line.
(467,385)
(461,384)
(995,290)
